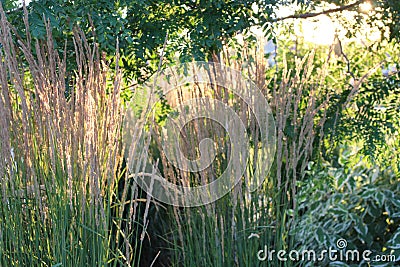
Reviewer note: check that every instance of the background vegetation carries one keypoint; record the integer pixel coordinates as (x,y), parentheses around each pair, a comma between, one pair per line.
(68,69)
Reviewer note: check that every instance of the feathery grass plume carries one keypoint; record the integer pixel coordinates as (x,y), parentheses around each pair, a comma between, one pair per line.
(233,229)
(61,157)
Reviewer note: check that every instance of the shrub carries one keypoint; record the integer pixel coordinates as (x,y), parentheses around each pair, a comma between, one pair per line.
(354,201)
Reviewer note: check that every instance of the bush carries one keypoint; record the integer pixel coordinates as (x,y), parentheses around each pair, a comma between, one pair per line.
(354,201)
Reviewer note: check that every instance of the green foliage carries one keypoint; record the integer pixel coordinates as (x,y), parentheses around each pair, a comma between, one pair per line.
(370,116)
(354,201)
(387,12)
(196,29)
(342,199)
(377,113)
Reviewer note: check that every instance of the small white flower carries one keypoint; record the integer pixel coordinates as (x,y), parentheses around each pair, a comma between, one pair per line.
(253,235)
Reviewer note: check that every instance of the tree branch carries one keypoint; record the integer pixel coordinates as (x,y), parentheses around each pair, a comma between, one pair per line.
(310,15)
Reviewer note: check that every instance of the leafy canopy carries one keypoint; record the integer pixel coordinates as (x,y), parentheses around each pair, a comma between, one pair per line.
(196,29)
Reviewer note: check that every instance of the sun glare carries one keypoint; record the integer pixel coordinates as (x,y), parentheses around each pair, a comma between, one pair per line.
(320,31)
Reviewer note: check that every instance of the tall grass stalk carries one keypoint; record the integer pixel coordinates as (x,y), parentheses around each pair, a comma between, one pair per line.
(231,231)
(64,199)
